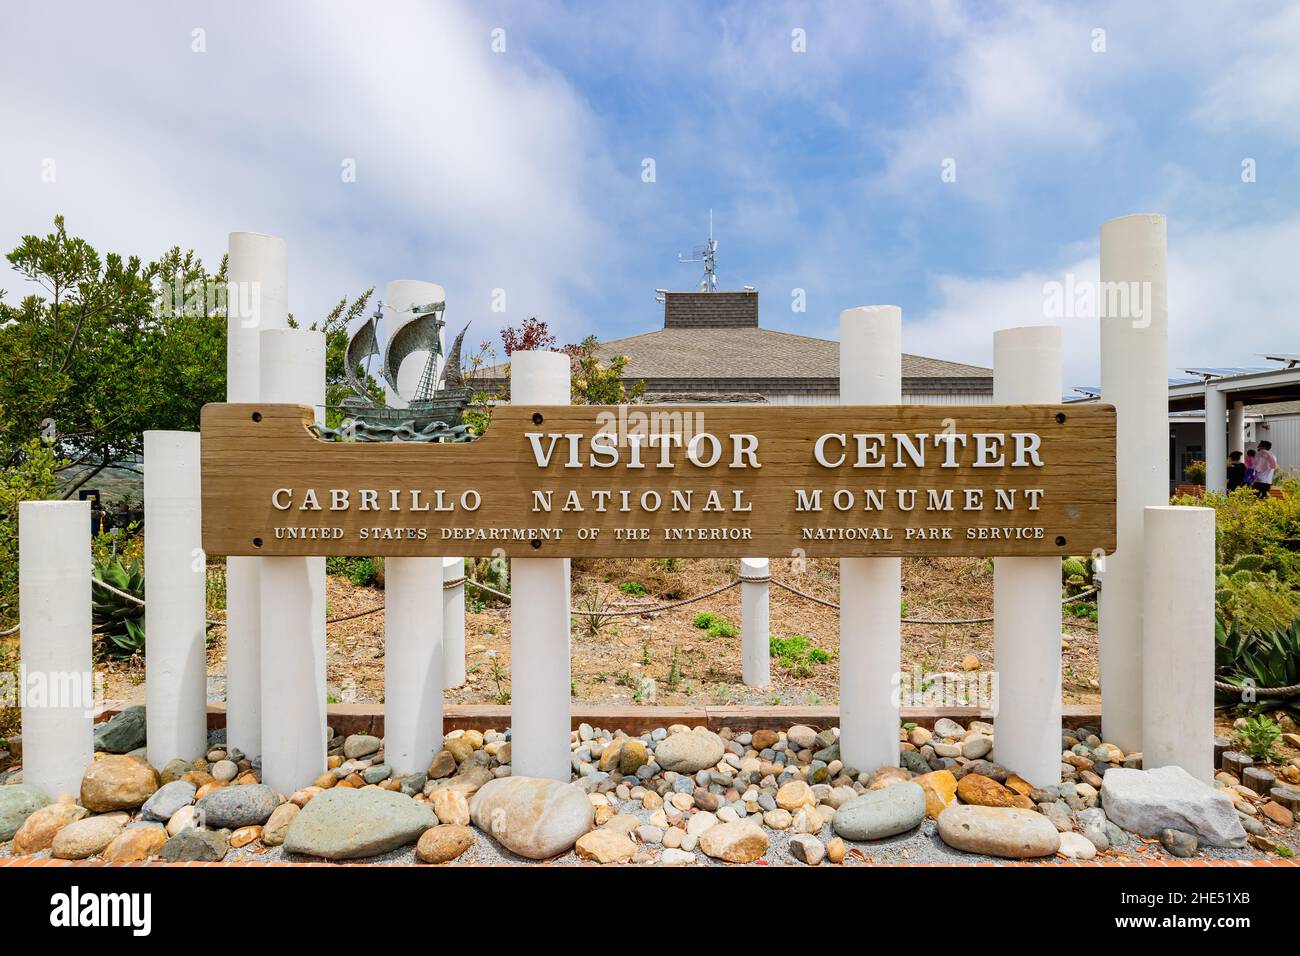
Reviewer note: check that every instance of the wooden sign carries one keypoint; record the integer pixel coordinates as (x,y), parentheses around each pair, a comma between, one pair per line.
(688,481)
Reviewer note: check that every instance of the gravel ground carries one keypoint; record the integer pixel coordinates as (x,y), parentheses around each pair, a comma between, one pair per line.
(920,846)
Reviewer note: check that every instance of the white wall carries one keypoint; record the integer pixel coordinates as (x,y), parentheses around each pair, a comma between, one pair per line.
(1284,432)
(909,398)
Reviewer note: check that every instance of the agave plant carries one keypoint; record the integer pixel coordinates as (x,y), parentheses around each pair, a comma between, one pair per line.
(1261,659)
(118,618)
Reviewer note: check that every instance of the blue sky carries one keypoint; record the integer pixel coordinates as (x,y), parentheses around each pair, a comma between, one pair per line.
(522,168)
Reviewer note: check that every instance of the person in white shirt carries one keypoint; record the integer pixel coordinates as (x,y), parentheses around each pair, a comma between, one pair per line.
(1265,466)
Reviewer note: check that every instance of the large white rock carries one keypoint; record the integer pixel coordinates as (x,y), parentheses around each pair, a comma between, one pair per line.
(344,824)
(998,831)
(532,816)
(1148,801)
(689,751)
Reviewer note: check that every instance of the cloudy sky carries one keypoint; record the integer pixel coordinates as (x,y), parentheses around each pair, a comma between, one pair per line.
(507,146)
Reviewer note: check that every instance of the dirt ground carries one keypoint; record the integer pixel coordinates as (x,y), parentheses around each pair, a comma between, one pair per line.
(687,665)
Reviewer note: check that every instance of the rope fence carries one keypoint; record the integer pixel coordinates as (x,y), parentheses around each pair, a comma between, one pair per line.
(1288,691)
(457,582)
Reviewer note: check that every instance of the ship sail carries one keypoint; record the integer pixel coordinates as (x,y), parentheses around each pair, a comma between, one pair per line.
(363,344)
(452,376)
(420,334)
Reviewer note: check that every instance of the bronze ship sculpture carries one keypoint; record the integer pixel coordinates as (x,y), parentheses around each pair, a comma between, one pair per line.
(434,412)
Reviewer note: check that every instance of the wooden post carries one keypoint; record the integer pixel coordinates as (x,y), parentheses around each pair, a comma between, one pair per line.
(1236,763)
(1221,746)
(1258,779)
(1288,797)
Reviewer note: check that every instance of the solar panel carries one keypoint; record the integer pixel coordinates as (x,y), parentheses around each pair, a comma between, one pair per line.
(1222,372)
(1290,360)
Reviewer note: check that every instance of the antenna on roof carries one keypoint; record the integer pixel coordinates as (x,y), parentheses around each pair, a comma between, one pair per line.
(708,255)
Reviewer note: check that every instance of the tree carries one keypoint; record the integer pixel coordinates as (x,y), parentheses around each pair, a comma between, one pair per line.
(113,347)
(594,383)
(534,335)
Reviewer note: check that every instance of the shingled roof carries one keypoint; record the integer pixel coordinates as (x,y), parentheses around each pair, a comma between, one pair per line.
(712,343)
(749,353)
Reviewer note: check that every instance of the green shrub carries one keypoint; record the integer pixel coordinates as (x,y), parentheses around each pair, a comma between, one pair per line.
(30,477)
(1258,601)
(1246,526)
(1082,609)
(1258,737)
(797,654)
(1194,474)
(1073,567)
(494,572)
(716,625)
(360,571)
(634,588)
(1248,562)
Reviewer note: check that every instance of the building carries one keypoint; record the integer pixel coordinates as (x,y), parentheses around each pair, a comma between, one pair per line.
(1254,403)
(1251,404)
(712,348)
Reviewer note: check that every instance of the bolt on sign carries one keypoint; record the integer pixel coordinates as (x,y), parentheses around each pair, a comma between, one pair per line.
(688,481)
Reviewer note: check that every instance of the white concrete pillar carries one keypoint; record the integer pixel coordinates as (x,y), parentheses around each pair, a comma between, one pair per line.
(400,295)
(175,568)
(412,663)
(871,373)
(257,299)
(1178,641)
(1027,591)
(755,622)
(453,622)
(1134,378)
(539,611)
(54,643)
(293,595)
(1216,440)
(1237,427)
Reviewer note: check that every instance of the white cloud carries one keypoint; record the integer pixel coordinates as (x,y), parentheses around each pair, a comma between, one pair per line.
(475,169)
(1004,93)
(1259,89)
(1232,296)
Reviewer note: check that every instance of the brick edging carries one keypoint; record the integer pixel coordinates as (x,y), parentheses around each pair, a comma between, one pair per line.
(369,718)
(17,862)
